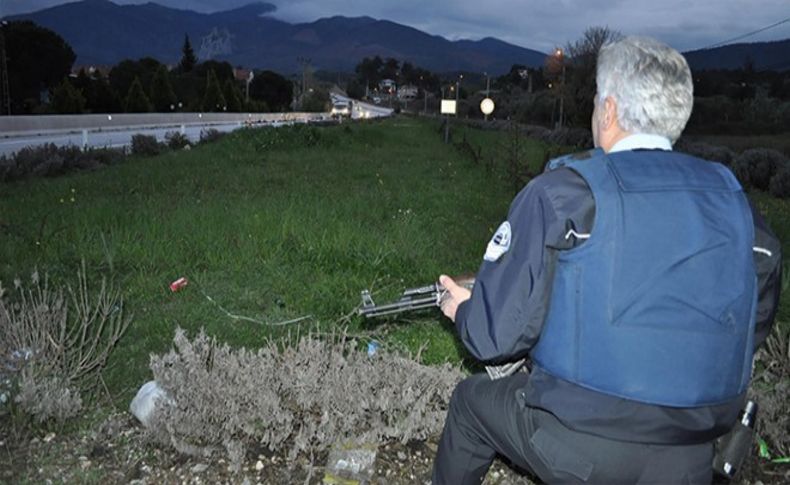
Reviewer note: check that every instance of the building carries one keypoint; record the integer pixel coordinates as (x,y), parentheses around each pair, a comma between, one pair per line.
(408,92)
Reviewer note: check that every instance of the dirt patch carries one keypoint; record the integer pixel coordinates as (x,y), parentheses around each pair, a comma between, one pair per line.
(117,451)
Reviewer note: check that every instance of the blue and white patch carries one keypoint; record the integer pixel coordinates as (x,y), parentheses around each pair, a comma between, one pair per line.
(499,244)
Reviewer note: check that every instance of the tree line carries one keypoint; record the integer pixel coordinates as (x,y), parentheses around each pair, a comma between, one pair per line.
(40,81)
(746,100)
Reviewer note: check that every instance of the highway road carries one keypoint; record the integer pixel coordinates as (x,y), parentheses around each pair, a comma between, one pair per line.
(115,138)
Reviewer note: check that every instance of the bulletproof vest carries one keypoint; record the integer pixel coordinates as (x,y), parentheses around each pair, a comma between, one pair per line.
(658,305)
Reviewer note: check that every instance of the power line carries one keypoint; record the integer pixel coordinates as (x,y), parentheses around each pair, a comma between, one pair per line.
(749,34)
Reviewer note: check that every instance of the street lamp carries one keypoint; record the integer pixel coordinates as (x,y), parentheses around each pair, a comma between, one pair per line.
(250,77)
(561,59)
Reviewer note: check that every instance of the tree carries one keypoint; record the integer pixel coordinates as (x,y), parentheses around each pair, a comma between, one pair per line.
(233,96)
(163,98)
(136,100)
(188,58)
(579,83)
(223,70)
(38,59)
(213,100)
(99,96)
(316,101)
(391,69)
(66,99)
(124,73)
(273,89)
(369,71)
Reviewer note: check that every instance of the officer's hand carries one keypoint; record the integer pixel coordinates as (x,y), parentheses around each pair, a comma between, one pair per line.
(455,296)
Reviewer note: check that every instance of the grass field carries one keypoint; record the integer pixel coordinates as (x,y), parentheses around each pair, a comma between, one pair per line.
(273,225)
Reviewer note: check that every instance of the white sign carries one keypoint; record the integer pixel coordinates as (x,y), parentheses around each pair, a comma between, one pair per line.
(487,106)
(448,106)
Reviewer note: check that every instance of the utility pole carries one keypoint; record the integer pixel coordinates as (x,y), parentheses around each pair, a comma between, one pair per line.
(5,92)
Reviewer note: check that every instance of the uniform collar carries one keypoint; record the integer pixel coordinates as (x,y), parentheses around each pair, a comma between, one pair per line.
(642,141)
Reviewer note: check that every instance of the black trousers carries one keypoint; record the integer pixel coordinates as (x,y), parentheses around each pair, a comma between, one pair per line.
(488,417)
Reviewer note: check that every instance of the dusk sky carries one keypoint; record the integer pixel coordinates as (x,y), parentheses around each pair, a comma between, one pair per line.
(535,24)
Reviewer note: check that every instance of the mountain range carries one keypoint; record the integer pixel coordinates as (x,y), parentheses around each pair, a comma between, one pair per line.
(104,33)
(762,55)
(101,32)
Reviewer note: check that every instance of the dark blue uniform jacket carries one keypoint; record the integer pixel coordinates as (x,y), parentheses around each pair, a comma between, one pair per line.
(503,319)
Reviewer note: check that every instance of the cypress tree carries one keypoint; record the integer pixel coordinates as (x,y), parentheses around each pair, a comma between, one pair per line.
(233,96)
(163,98)
(188,58)
(213,100)
(136,100)
(66,99)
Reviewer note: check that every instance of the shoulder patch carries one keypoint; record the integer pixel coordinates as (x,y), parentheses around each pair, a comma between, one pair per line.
(499,243)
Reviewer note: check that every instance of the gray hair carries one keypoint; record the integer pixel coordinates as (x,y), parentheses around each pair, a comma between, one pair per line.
(651,83)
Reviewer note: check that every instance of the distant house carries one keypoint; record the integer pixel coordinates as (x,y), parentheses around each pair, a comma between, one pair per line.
(388,86)
(94,71)
(408,92)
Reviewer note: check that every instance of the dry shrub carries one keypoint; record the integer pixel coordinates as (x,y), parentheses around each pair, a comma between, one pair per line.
(176,140)
(304,396)
(146,145)
(771,390)
(210,135)
(49,160)
(54,343)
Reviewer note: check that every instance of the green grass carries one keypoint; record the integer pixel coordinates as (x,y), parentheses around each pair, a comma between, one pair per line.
(274,225)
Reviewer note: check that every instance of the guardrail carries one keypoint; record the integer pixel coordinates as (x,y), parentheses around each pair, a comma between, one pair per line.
(117,130)
(31,125)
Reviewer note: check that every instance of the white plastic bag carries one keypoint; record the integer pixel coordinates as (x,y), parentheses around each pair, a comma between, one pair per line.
(144,402)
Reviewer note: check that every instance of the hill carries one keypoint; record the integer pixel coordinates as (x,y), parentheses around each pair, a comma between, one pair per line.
(763,56)
(101,32)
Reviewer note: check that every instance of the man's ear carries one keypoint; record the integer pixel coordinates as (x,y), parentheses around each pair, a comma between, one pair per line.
(609,117)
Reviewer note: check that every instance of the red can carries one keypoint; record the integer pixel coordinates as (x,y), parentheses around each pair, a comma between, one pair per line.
(178,284)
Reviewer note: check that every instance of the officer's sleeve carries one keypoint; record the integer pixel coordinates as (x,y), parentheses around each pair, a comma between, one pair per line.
(503,318)
(768,262)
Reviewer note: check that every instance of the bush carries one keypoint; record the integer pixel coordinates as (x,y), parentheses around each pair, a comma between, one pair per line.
(54,344)
(176,140)
(43,160)
(304,396)
(780,183)
(145,145)
(50,160)
(575,137)
(706,151)
(210,135)
(755,167)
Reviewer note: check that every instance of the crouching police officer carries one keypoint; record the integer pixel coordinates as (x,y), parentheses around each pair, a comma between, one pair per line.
(637,279)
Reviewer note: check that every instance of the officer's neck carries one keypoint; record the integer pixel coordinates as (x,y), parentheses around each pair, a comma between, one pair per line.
(611,136)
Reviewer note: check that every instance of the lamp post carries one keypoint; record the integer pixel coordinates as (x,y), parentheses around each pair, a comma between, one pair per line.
(249,80)
(5,92)
(560,57)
